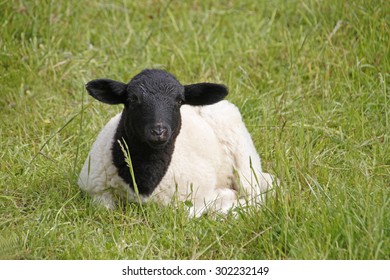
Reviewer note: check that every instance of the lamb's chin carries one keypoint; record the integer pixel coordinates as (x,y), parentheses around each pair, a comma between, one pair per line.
(157,145)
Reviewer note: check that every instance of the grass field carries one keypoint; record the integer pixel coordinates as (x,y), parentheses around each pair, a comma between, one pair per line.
(310,78)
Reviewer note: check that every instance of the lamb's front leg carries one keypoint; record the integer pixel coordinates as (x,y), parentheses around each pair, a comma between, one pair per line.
(105,199)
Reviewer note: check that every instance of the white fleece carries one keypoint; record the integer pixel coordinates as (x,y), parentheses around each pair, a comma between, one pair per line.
(214,164)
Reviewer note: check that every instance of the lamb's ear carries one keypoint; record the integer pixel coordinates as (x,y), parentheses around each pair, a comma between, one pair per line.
(204,93)
(107,91)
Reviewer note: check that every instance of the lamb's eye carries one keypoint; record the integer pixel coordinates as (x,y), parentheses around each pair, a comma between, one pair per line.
(179,101)
(133,99)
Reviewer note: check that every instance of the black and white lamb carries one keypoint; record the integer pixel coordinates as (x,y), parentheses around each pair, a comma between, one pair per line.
(184,143)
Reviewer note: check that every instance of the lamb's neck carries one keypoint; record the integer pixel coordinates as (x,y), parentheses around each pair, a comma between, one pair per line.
(149,165)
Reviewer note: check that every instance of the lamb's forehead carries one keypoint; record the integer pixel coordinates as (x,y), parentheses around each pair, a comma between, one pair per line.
(155,82)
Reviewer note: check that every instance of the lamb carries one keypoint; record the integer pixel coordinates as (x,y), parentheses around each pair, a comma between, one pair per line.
(185,144)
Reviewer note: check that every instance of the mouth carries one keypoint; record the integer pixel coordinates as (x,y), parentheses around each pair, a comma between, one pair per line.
(157,144)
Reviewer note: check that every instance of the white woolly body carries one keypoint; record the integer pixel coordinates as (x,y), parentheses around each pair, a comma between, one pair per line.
(214,164)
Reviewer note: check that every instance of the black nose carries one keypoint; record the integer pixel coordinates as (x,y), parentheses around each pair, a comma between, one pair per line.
(158,130)
(157,135)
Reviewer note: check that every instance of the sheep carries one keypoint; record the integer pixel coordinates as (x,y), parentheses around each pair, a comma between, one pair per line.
(185,143)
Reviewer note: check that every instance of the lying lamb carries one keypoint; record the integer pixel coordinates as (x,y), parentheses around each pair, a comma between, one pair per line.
(183,142)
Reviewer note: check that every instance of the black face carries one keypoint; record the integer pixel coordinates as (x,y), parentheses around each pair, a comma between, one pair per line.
(152,102)
(153,107)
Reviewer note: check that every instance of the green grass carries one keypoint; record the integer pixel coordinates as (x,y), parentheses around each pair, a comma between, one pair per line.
(310,78)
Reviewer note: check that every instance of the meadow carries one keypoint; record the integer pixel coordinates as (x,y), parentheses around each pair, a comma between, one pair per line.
(310,78)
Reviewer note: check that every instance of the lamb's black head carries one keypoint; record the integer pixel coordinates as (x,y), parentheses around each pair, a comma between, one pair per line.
(152,101)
